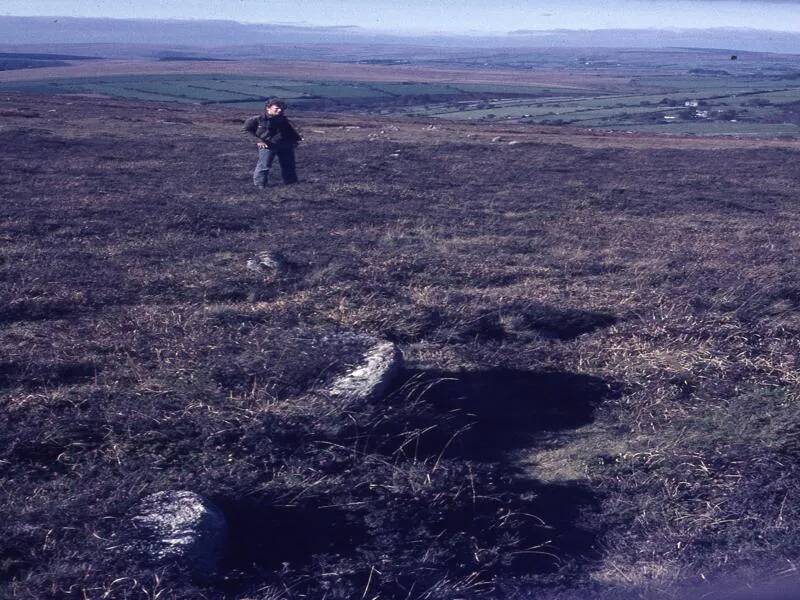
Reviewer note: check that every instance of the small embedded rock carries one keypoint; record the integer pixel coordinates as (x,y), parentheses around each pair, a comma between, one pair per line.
(271,263)
(372,378)
(181,527)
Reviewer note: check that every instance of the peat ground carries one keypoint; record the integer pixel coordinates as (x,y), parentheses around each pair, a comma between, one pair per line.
(600,333)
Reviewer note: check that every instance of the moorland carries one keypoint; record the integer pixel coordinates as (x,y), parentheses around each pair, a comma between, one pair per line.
(600,333)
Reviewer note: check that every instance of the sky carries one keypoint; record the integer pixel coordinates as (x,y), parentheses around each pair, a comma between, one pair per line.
(446,16)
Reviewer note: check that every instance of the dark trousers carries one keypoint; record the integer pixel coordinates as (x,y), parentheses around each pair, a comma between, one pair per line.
(266,156)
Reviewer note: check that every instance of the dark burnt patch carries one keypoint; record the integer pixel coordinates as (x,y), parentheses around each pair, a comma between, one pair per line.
(485,326)
(267,536)
(35,141)
(12,563)
(483,415)
(37,309)
(37,375)
(410,323)
(47,449)
(564,512)
(521,321)
(766,304)
(555,323)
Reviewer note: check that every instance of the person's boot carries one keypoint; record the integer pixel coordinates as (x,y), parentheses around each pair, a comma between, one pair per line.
(261,182)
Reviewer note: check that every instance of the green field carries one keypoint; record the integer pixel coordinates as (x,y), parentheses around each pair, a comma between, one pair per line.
(766,107)
(724,104)
(212,89)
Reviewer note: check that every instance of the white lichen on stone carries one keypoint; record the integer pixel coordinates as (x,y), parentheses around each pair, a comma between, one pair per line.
(269,262)
(181,526)
(372,377)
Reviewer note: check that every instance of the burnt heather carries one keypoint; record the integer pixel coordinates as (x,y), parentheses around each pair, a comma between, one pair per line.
(600,334)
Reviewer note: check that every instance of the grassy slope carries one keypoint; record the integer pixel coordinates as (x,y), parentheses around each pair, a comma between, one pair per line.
(631,305)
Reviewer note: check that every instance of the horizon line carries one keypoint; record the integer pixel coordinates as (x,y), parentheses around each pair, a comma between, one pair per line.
(405,33)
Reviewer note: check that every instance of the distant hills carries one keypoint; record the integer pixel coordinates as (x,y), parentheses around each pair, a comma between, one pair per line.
(67,30)
(39,31)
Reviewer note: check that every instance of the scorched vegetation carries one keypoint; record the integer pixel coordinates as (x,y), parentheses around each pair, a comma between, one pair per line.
(600,394)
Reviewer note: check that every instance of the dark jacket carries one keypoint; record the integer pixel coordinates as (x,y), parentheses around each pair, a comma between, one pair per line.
(274,131)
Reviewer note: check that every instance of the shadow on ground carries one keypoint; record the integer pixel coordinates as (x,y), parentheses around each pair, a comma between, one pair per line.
(490,413)
(523,320)
(508,410)
(435,475)
(267,536)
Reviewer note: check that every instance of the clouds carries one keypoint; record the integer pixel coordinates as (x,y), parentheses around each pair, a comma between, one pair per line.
(757,2)
(481,16)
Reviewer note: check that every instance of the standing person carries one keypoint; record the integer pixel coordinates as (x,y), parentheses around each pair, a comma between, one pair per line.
(276,137)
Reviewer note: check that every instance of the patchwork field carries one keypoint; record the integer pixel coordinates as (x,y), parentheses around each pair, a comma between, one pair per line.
(251,91)
(701,92)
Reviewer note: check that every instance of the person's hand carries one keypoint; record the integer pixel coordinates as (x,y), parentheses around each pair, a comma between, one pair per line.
(262,145)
